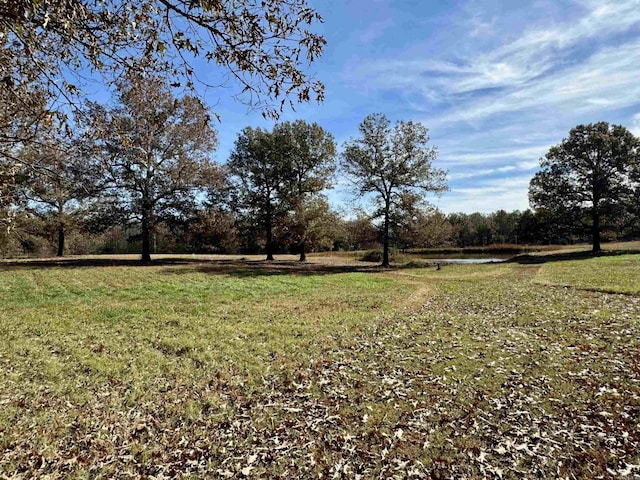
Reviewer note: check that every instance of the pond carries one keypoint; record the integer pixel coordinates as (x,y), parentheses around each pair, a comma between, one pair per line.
(468,258)
(472,260)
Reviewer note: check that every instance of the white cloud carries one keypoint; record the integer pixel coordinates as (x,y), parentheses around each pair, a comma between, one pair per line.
(611,76)
(488,156)
(518,65)
(495,108)
(373,31)
(536,50)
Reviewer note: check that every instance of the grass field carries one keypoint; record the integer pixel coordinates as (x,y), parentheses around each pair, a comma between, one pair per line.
(235,368)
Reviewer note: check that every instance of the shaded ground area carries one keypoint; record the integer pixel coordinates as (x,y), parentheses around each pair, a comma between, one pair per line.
(219,264)
(572,255)
(485,371)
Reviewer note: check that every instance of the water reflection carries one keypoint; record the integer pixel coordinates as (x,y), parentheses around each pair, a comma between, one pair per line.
(471,260)
(467,258)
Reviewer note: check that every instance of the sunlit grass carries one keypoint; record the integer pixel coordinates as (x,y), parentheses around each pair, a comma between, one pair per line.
(616,274)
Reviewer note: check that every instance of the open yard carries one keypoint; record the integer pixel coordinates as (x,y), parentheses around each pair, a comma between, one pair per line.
(235,368)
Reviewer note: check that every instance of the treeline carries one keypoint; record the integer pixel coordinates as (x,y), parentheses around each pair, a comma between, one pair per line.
(135,175)
(211,230)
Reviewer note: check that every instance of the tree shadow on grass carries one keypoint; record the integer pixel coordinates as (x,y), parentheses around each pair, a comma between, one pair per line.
(221,266)
(255,268)
(238,267)
(29,264)
(560,257)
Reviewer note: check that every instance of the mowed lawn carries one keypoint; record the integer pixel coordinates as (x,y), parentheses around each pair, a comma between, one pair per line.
(242,369)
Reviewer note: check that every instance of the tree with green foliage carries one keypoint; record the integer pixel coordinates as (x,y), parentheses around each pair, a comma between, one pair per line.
(528,228)
(425,227)
(309,156)
(154,149)
(586,176)
(261,172)
(281,175)
(506,226)
(322,227)
(390,163)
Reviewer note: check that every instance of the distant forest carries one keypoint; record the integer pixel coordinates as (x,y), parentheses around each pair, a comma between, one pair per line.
(210,230)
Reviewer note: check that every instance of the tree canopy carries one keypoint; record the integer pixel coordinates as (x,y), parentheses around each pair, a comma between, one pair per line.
(51,50)
(309,161)
(263,46)
(154,149)
(585,178)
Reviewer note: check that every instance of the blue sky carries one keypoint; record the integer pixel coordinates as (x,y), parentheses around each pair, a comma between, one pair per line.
(496,82)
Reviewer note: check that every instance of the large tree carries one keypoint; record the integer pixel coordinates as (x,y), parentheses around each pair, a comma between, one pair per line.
(56,181)
(586,176)
(309,162)
(282,174)
(391,162)
(154,149)
(261,171)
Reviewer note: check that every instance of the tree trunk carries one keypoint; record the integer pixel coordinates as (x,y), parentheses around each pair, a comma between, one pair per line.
(60,240)
(595,230)
(269,246)
(303,255)
(385,238)
(146,236)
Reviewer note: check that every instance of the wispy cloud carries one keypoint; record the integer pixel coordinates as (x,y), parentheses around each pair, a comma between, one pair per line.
(518,65)
(373,31)
(497,83)
(488,156)
(497,171)
(540,49)
(608,79)
(516,93)
(488,196)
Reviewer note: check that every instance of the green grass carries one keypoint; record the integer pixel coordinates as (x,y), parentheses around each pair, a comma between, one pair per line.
(617,274)
(250,370)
